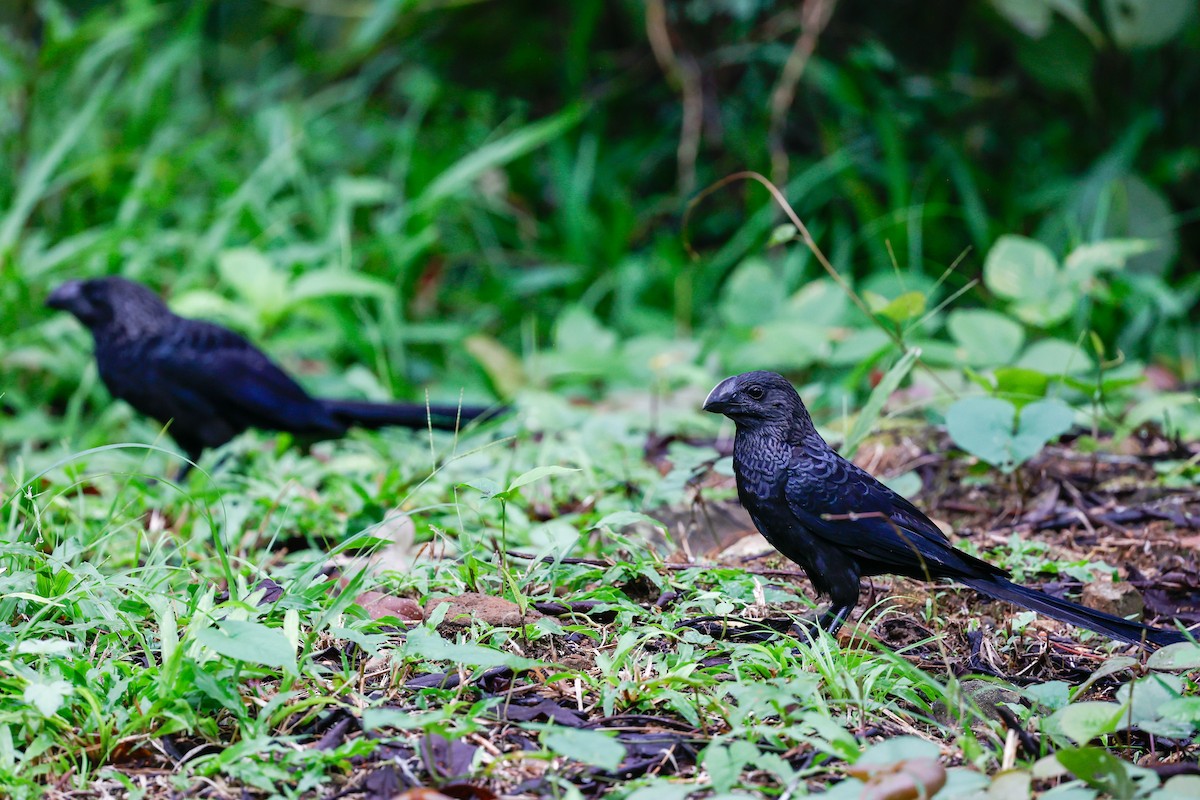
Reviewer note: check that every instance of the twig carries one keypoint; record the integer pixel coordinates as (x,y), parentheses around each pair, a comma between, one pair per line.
(684,72)
(814,16)
(1029,742)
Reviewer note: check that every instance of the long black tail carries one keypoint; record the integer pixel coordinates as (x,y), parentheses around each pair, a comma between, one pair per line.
(406,415)
(1073,613)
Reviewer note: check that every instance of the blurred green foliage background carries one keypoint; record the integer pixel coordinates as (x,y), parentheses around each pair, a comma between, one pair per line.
(396,194)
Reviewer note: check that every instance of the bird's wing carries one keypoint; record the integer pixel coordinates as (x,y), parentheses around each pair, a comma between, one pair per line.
(218,368)
(843,504)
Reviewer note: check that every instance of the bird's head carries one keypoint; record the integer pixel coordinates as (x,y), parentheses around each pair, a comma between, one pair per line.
(106,302)
(755,399)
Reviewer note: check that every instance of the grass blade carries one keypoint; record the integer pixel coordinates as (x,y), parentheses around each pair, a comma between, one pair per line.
(870,413)
(502,151)
(40,172)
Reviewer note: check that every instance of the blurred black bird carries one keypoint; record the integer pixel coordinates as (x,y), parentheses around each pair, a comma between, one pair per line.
(840,524)
(210,383)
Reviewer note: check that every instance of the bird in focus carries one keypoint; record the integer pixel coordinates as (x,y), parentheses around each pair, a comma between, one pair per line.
(208,382)
(840,524)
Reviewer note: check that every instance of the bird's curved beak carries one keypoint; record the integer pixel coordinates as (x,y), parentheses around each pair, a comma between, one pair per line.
(67,297)
(720,399)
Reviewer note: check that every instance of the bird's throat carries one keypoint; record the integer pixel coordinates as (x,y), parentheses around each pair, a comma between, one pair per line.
(760,459)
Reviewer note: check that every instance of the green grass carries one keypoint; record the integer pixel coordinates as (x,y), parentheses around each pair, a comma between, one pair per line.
(120,634)
(123,649)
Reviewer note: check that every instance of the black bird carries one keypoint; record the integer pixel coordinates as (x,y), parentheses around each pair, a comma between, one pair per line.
(840,524)
(210,383)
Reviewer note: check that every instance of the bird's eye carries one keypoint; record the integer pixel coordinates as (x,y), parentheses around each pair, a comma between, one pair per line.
(755,392)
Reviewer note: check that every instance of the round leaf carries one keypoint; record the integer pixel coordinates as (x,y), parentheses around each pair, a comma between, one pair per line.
(1020,268)
(1145,23)
(983,426)
(587,747)
(751,295)
(251,642)
(1175,657)
(1055,357)
(987,339)
(1041,421)
(1082,722)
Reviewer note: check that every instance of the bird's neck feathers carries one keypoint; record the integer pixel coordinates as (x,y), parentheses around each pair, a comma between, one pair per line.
(137,317)
(770,443)
(762,452)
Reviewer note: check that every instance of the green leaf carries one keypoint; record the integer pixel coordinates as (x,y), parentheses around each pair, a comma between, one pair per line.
(1052,695)
(661,789)
(906,484)
(782,234)
(1041,422)
(497,153)
(1110,666)
(780,344)
(1048,311)
(1180,787)
(1082,263)
(42,647)
(897,749)
(207,304)
(585,746)
(1031,17)
(1062,60)
(358,190)
(1019,268)
(1020,384)
(1025,272)
(723,765)
(986,339)
(423,643)
(821,303)
(1108,385)
(484,485)
(1010,784)
(254,279)
(536,474)
(1099,769)
(1146,695)
(1140,211)
(251,642)
(1175,657)
(619,519)
(48,696)
(1145,23)
(1182,709)
(983,426)
(751,295)
(1082,722)
(336,282)
(909,305)
(375,718)
(578,331)
(1056,357)
(883,390)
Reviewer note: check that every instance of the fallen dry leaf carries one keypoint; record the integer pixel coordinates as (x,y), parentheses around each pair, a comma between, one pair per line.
(378,604)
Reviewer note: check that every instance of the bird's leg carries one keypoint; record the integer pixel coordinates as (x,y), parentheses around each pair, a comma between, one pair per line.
(844,589)
(835,617)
